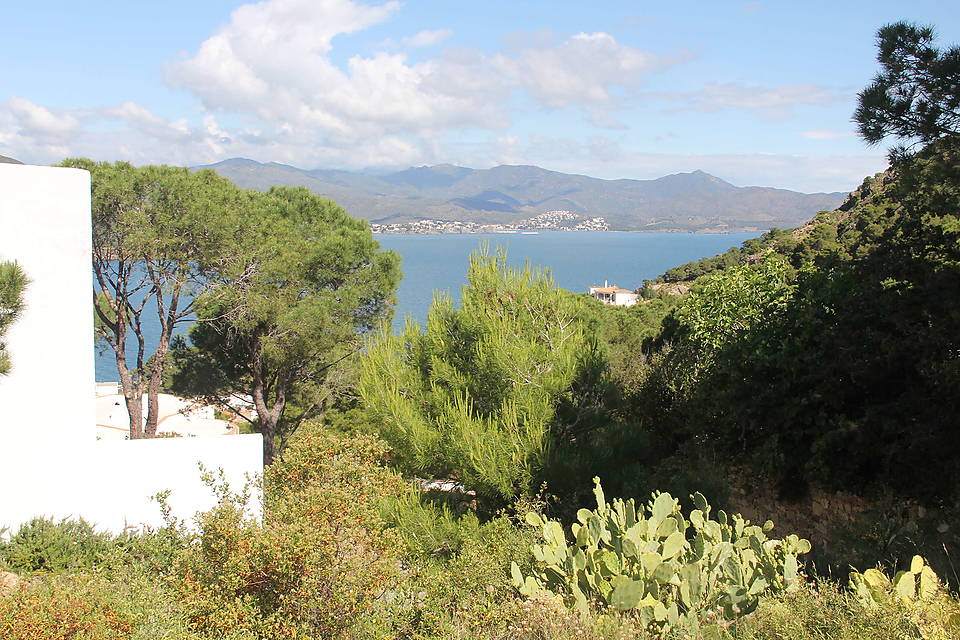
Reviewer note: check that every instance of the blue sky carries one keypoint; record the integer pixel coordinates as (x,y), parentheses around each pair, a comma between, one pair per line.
(757,93)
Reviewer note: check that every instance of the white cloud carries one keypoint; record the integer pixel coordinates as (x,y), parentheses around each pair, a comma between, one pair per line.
(271,64)
(33,120)
(267,84)
(771,102)
(269,87)
(581,70)
(427,38)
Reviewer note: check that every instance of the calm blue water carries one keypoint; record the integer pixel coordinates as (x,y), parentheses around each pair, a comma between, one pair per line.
(576,260)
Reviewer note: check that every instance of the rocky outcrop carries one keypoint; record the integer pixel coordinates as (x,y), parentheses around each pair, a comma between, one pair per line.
(8,582)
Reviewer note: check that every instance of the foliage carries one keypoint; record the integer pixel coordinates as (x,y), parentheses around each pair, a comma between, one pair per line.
(920,582)
(709,325)
(316,562)
(752,248)
(428,528)
(916,95)
(827,611)
(159,234)
(488,391)
(13,281)
(641,560)
(734,302)
(123,606)
(44,545)
(918,591)
(279,322)
(843,371)
(459,587)
(625,332)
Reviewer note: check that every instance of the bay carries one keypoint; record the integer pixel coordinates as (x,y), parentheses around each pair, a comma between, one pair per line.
(576,260)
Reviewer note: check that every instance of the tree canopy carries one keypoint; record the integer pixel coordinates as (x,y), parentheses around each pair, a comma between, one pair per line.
(916,95)
(833,361)
(487,391)
(159,234)
(277,324)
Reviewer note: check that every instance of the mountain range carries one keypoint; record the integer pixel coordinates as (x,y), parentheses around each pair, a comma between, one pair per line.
(695,201)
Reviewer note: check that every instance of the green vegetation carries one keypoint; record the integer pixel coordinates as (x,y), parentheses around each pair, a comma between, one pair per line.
(751,249)
(671,571)
(13,281)
(159,235)
(281,322)
(752,361)
(915,96)
(443,497)
(490,390)
(280,282)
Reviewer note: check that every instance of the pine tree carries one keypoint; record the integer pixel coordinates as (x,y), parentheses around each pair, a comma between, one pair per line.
(13,282)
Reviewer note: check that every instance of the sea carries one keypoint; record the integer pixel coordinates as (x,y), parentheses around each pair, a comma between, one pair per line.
(576,260)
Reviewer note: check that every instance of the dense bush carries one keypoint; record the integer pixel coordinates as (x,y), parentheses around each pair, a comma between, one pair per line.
(45,545)
(317,561)
(840,369)
(120,606)
(464,592)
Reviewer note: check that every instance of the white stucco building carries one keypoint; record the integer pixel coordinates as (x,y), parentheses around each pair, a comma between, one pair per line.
(614,295)
(52,463)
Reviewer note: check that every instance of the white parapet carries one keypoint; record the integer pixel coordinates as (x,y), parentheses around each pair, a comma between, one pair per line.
(50,461)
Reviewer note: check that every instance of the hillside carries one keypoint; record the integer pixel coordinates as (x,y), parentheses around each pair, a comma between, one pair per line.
(875,280)
(695,201)
(6,160)
(815,239)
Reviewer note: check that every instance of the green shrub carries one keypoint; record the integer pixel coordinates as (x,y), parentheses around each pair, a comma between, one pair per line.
(664,569)
(918,592)
(44,545)
(428,528)
(826,611)
(128,605)
(464,592)
(486,391)
(317,562)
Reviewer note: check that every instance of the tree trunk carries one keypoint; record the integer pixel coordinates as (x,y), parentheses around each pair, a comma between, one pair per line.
(132,391)
(269,416)
(153,388)
(269,448)
(133,396)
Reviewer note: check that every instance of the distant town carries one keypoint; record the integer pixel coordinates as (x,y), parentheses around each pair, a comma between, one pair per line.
(549,221)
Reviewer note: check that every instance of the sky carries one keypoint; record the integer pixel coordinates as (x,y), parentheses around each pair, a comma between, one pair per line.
(756,93)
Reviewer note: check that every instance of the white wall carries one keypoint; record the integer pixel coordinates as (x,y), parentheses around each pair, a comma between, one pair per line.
(625,299)
(50,461)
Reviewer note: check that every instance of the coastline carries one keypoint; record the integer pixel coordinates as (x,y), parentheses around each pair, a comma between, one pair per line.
(708,231)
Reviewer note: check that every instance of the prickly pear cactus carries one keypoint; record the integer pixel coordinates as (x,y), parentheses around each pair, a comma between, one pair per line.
(666,568)
(918,592)
(872,587)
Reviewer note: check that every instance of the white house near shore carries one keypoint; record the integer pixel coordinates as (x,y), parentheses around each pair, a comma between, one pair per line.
(53,464)
(614,295)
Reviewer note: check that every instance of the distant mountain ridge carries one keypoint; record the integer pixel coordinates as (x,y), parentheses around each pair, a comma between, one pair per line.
(695,201)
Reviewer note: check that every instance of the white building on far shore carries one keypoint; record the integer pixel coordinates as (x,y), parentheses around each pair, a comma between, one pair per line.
(614,295)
